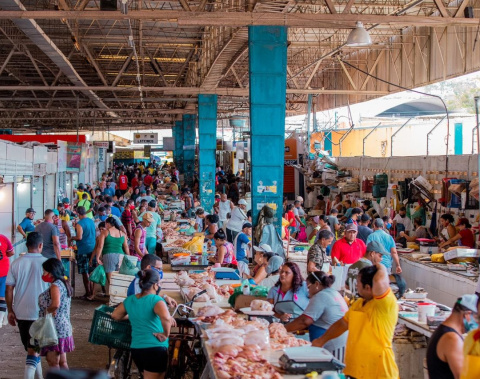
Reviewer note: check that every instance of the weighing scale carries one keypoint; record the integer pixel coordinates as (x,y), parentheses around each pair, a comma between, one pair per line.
(226,273)
(304,359)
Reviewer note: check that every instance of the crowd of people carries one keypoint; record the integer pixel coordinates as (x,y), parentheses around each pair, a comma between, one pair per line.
(121,216)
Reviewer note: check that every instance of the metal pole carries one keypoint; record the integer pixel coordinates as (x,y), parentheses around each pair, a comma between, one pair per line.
(78,115)
(368,135)
(430,132)
(309,111)
(473,137)
(394,134)
(477,105)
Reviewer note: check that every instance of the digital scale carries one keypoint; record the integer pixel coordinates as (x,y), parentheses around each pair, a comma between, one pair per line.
(304,359)
(226,273)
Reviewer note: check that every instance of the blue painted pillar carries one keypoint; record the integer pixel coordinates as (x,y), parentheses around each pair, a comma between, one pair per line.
(327,142)
(189,135)
(207,144)
(268,81)
(458,138)
(178,152)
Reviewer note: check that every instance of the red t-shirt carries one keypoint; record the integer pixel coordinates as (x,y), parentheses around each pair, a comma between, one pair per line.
(348,253)
(291,218)
(467,238)
(148,180)
(5,247)
(134,182)
(123,182)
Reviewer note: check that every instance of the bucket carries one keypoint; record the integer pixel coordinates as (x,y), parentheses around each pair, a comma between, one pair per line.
(424,310)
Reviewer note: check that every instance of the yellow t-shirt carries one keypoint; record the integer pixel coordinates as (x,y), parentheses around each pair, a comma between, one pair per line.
(373,336)
(80,194)
(470,346)
(66,217)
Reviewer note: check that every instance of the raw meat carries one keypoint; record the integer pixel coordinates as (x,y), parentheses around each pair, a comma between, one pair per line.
(201,299)
(210,310)
(261,305)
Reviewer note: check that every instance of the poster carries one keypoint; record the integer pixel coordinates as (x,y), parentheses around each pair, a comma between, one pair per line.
(74,156)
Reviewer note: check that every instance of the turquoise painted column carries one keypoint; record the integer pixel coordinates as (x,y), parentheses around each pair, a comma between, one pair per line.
(189,135)
(178,153)
(458,138)
(327,142)
(207,145)
(268,82)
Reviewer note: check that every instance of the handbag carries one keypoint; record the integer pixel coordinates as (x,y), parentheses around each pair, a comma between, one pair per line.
(44,331)
(99,276)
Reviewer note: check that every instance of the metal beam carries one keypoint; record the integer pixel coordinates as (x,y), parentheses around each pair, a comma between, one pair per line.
(239,19)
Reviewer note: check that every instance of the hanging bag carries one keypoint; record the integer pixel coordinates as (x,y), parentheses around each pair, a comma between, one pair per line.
(99,276)
(44,331)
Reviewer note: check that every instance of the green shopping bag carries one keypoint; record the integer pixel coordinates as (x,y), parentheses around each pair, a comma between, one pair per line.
(98,275)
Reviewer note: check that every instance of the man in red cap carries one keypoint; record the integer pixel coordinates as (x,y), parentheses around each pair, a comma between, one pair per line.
(349,249)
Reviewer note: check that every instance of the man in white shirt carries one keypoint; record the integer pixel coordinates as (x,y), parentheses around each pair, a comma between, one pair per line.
(402,219)
(25,276)
(237,219)
(311,198)
(224,206)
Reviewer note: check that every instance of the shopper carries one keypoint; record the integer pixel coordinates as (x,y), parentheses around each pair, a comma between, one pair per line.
(349,249)
(315,225)
(233,191)
(464,237)
(24,285)
(87,204)
(274,265)
(298,213)
(320,204)
(122,182)
(85,240)
(333,221)
(137,245)
(363,230)
(370,322)
(292,220)
(326,307)
(237,219)
(27,225)
(317,254)
(127,218)
(388,243)
(354,216)
(225,255)
(290,294)
(263,253)
(153,229)
(223,207)
(57,301)
(445,347)
(50,235)
(375,253)
(151,322)
(347,210)
(242,246)
(111,245)
(6,251)
(310,203)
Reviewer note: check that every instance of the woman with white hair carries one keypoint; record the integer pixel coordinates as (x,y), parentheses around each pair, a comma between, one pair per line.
(237,219)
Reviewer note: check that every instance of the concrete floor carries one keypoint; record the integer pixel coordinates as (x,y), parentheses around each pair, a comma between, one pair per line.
(86,355)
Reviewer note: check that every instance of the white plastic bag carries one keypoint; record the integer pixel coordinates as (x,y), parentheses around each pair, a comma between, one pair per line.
(43,330)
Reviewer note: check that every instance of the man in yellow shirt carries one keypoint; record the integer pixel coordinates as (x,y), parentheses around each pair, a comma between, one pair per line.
(370,322)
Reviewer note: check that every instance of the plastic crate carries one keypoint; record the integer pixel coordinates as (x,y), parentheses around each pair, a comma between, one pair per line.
(108,332)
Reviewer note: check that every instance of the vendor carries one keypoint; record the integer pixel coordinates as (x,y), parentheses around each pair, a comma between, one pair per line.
(420,231)
(27,224)
(225,255)
(263,253)
(199,220)
(464,236)
(447,230)
(317,254)
(273,272)
(326,307)
(242,247)
(211,228)
(290,294)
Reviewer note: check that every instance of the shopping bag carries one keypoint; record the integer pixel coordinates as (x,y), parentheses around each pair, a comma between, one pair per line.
(44,331)
(128,268)
(98,276)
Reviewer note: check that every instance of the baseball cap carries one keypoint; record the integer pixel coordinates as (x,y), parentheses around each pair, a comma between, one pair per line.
(56,212)
(351,226)
(30,210)
(263,248)
(246,225)
(299,198)
(80,187)
(316,219)
(242,202)
(66,200)
(376,247)
(469,302)
(147,217)
(143,191)
(274,264)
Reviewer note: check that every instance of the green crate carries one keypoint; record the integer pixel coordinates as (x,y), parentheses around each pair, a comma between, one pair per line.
(106,331)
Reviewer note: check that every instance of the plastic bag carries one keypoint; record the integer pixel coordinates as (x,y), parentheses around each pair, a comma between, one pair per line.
(44,331)
(128,268)
(98,276)
(258,337)
(195,245)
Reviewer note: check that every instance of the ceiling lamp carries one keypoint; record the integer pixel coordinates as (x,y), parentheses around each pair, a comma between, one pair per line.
(359,36)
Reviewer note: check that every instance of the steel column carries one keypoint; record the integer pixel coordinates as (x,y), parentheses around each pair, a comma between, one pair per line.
(458,138)
(178,153)
(309,111)
(268,78)
(189,121)
(207,136)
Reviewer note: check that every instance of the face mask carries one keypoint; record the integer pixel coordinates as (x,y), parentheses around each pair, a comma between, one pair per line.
(132,207)
(47,278)
(158,290)
(160,272)
(402,216)
(469,325)
(389,225)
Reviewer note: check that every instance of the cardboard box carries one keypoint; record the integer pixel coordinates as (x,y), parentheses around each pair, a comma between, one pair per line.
(243,301)
(461,253)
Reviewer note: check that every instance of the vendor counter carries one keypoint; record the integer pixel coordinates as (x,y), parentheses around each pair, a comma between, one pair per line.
(443,286)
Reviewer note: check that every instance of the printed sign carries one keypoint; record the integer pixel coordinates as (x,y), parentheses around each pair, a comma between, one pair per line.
(147,151)
(142,138)
(102,144)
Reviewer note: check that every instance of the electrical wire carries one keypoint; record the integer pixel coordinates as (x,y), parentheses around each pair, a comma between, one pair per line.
(415,91)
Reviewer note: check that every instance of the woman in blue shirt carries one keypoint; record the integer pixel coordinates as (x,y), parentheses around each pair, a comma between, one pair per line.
(151,323)
(290,294)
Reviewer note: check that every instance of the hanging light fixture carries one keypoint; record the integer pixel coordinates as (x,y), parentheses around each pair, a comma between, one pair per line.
(359,36)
